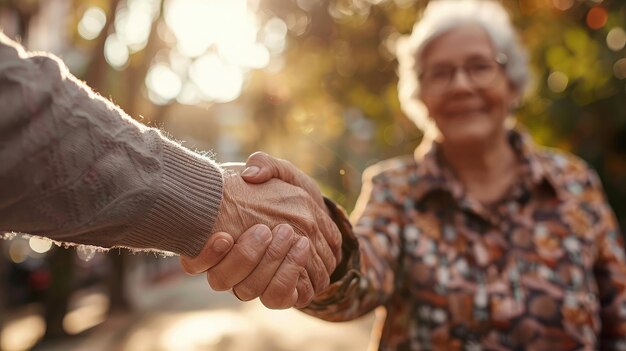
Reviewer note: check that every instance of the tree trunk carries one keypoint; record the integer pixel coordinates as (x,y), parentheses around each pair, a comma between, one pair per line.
(4,281)
(118,300)
(57,298)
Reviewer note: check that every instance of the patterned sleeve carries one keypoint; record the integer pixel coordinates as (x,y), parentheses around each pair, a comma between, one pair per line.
(610,272)
(366,276)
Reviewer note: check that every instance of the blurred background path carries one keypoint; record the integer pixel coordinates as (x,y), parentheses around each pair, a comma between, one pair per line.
(172,311)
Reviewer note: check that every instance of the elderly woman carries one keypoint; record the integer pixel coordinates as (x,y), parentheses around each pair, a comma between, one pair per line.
(482,239)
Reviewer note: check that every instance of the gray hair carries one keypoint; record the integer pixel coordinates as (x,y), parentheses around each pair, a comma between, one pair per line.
(441,16)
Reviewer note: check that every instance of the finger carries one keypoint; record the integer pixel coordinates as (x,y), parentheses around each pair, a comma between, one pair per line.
(281,292)
(216,247)
(305,290)
(318,273)
(323,251)
(255,283)
(241,260)
(331,235)
(258,168)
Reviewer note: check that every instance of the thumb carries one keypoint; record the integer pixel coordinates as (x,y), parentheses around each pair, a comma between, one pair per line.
(216,247)
(259,168)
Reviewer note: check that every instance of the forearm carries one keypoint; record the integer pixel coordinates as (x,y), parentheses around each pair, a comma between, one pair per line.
(75,168)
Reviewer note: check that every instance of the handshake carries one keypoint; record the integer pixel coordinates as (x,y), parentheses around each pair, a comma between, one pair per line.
(274,238)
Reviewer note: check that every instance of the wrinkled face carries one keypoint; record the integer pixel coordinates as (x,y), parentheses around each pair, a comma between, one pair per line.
(464,87)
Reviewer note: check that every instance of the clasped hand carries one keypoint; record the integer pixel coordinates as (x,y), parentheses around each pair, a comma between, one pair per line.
(285,266)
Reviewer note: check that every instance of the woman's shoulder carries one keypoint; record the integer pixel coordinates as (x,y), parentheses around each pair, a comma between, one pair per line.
(568,172)
(561,163)
(396,167)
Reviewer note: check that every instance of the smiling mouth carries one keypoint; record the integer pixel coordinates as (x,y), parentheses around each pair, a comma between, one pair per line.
(466,113)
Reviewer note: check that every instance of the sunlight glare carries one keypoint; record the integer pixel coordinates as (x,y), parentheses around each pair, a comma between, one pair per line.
(164,82)
(198,24)
(204,329)
(217,81)
(251,55)
(92,23)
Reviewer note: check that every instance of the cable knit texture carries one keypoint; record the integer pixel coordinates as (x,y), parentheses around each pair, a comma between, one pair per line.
(75,168)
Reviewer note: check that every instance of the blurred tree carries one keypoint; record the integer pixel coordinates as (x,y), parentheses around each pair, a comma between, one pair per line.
(56,301)
(4,281)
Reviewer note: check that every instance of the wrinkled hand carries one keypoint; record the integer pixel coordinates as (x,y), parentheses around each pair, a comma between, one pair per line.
(261,263)
(261,167)
(274,202)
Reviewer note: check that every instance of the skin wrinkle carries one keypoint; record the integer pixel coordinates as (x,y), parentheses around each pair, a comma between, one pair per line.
(286,203)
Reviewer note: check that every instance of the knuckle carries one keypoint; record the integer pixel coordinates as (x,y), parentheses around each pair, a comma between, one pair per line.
(295,258)
(247,255)
(276,252)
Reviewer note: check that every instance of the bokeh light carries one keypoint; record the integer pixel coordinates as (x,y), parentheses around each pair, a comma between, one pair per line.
(40,245)
(22,334)
(563,5)
(619,69)
(274,33)
(216,80)
(597,17)
(92,23)
(116,52)
(216,44)
(163,82)
(557,82)
(92,312)
(133,28)
(616,39)
(252,55)
(18,251)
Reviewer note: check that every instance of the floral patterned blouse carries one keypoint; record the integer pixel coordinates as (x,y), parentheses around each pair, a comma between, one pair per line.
(541,269)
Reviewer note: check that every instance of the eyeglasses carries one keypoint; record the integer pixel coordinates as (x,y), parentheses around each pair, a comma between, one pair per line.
(481,73)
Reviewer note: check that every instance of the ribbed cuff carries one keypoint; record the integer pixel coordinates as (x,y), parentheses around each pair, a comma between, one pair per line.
(182,217)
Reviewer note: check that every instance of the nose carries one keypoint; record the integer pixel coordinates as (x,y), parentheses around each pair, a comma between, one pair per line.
(461,81)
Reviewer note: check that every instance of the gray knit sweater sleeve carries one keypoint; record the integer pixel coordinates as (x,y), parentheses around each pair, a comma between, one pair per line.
(75,168)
